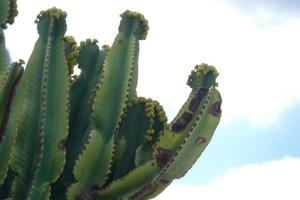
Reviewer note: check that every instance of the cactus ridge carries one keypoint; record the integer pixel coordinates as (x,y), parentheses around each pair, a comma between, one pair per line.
(65,135)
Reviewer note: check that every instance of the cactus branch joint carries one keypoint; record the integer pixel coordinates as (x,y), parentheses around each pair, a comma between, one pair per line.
(90,136)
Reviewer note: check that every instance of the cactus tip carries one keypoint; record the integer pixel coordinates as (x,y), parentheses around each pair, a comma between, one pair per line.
(72,52)
(87,42)
(106,48)
(202,72)
(52,12)
(21,62)
(143,22)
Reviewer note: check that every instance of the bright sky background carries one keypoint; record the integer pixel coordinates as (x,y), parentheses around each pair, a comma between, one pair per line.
(255,45)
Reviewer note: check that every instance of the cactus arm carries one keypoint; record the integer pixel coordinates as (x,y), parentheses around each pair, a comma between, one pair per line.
(197,139)
(189,150)
(55,125)
(8,12)
(4,56)
(116,87)
(137,122)
(144,151)
(118,84)
(10,105)
(191,130)
(27,142)
(90,61)
(43,123)
(197,120)
(124,187)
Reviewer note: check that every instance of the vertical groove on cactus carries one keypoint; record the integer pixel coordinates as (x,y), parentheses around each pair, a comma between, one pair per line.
(5,187)
(90,136)
(7,81)
(7,92)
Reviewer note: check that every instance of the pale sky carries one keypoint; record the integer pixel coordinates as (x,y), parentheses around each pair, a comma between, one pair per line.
(255,47)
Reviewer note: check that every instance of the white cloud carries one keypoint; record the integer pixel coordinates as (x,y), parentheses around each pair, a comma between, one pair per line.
(274,180)
(258,67)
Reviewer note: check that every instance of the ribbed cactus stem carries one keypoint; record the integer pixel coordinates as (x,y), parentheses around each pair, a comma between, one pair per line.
(8,12)
(117,85)
(38,157)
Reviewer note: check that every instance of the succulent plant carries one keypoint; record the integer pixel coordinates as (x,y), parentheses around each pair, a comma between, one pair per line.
(89,136)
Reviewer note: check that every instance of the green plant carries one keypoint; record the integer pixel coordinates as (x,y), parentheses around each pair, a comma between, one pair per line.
(90,136)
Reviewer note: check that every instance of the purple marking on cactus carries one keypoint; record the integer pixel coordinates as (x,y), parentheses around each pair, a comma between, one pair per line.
(182,122)
(62,144)
(165,181)
(215,109)
(200,140)
(144,188)
(163,156)
(201,93)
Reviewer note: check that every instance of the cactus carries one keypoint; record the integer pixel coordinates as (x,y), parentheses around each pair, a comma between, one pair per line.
(89,136)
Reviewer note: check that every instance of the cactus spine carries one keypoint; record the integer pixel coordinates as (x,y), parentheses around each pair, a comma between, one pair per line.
(90,136)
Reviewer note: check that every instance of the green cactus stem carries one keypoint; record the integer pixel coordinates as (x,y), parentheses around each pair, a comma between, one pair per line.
(116,87)
(8,12)
(90,136)
(37,157)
